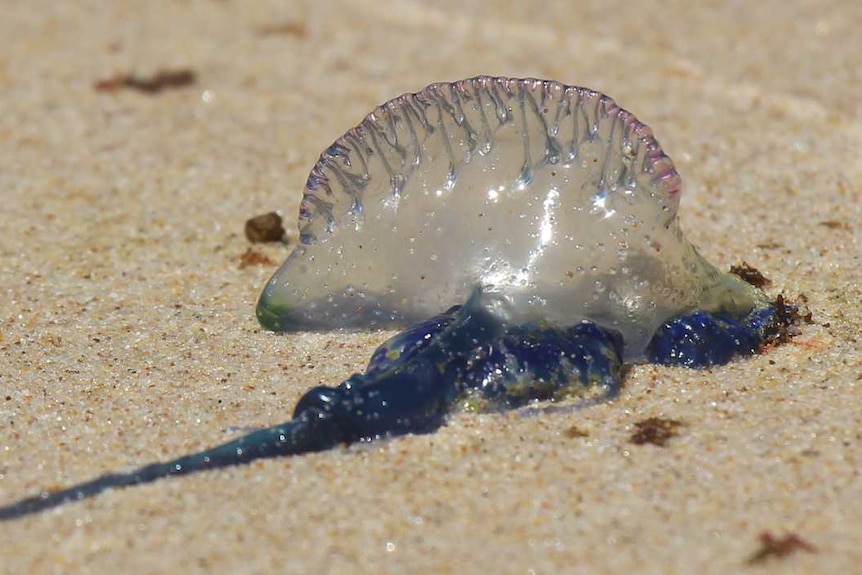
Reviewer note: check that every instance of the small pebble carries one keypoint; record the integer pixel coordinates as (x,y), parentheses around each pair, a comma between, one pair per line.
(264,228)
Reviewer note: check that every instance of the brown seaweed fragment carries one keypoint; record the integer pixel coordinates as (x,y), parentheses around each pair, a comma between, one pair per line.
(779,547)
(161,80)
(252,257)
(656,431)
(751,275)
(784,324)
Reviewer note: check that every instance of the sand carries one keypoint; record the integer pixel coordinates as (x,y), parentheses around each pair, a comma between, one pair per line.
(127,331)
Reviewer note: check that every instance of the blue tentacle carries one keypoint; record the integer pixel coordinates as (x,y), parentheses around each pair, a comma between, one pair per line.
(292,437)
(468,356)
(700,339)
(405,396)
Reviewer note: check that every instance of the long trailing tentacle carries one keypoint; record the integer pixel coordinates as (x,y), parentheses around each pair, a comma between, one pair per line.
(401,401)
(293,437)
(404,397)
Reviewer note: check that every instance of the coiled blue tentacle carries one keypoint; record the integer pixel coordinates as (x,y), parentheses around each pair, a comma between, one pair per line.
(700,339)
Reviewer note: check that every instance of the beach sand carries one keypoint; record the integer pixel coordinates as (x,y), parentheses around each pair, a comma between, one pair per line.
(127,331)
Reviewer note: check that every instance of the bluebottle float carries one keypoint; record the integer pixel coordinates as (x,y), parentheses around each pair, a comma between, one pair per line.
(542,218)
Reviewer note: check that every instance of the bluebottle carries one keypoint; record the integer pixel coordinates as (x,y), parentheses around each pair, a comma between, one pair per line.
(524,236)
